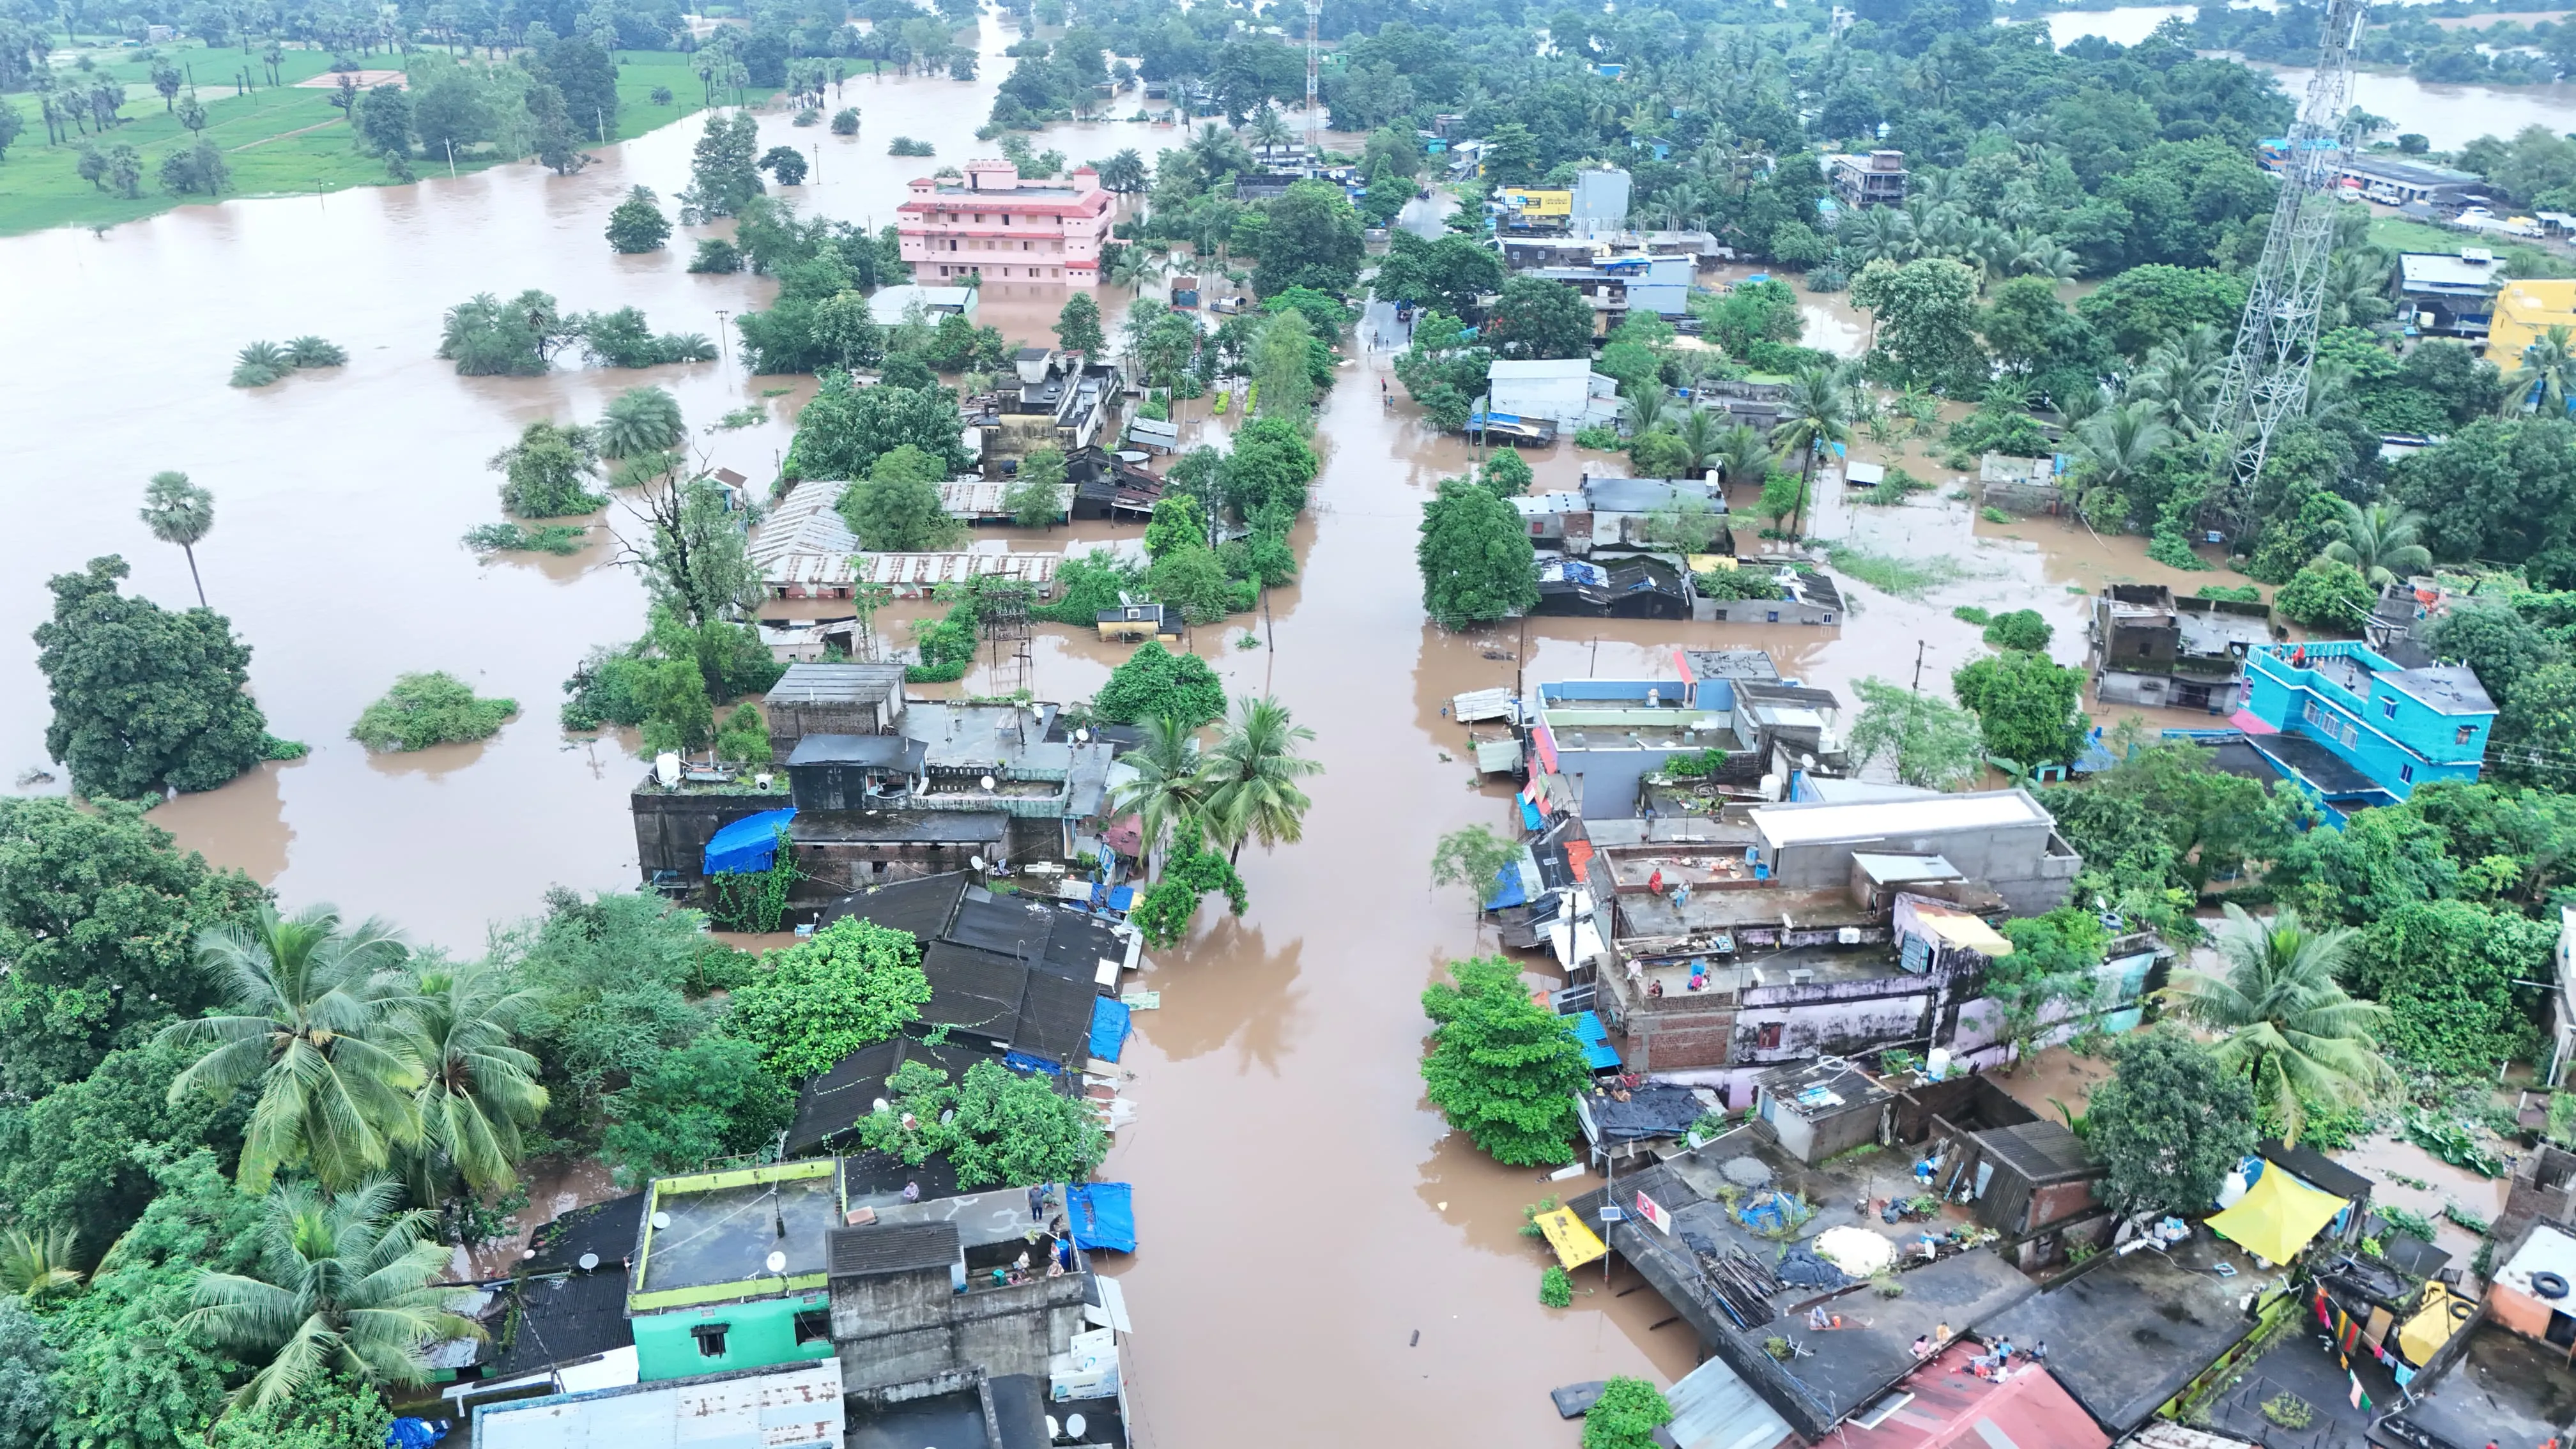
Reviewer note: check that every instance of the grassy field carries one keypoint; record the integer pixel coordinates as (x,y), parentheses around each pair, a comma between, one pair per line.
(2397,234)
(285,140)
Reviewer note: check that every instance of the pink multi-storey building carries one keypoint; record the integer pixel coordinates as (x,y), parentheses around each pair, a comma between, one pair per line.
(996,225)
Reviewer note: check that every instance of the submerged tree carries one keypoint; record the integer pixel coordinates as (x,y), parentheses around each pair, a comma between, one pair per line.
(1256,768)
(1503,1069)
(144,698)
(1932,744)
(178,511)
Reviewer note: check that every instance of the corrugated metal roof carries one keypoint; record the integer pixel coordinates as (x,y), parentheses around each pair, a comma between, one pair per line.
(1714,1409)
(892,1248)
(1939,1406)
(1800,824)
(982,498)
(787,1408)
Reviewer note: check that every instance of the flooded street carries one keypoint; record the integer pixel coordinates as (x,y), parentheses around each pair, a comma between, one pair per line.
(1303,1212)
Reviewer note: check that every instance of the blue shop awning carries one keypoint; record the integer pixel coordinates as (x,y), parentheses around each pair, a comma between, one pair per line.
(747,844)
(1104,1216)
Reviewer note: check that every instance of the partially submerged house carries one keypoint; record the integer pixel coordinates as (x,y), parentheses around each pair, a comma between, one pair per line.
(1634,588)
(1611,740)
(2152,648)
(1564,392)
(805,550)
(1797,596)
(1607,512)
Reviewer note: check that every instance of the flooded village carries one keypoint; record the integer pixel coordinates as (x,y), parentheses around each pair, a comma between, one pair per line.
(1649,1011)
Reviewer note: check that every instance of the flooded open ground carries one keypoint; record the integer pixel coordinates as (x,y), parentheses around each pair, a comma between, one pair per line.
(1303,1213)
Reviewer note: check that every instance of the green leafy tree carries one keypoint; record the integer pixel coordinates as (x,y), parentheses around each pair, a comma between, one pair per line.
(897,507)
(144,698)
(487,337)
(1924,315)
(2028,709)
(2019,629)
(1077,326)
(1036,498)
(422,710)
(1311,239)
(637,223)
(1256,768)
(384,119)
(2164,815)
(1506,475)
(2445,971)
(545,473)
(2498,644)
(92,898)
(2143,306)
(2328,596)
(687,1106)
(2050,968)
(80,1159)
(724,170)
(1935,746)
(1503,1069)
(1535,318)
(845,429)
(1282,367)
(2286,1025)
(1626,1415)
(2535,720)
(334,1413)
(1472,857)
(341,1285)
(27,1366)
(996,1127)
(1475,555)
(641,422)
(313,1025)
(2380,541)
(785,163)
(1176,526)
(1154,683)
(1189,872)
(178,511)
(2171,1123)
(1451,273)
(813,1003)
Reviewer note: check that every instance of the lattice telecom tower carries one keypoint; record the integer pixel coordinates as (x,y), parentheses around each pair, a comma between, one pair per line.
(2266,382)
(1314,62)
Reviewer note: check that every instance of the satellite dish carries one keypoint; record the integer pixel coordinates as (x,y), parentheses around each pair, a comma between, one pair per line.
(588,1261)
(1055,1430)
(1074,1424)
(1082,737)
(988,782)
(661,1220)
(777,1262)
(976,861)
(883,1105)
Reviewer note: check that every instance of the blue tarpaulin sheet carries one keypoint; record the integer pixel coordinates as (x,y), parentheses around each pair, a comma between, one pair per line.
(748,843)
(1122,898)
(1508,888)
(1108,1028)
(1023,1062)
(414,1434)
(1529,816)
(1596,1041)
(1104,1216)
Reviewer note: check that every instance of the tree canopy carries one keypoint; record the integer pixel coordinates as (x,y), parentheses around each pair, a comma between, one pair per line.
(144,698)
(1503,1069)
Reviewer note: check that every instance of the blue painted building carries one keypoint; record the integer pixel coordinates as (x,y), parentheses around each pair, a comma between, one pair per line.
(2355,730)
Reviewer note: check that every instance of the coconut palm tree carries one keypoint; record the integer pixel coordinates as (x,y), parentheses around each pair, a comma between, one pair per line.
(2114,444)
(639,421)
(1646,411)
(479,1090)
(178,511)
(1136,269)
(1268,129)
(2287,1024)
(314,1025)
(1815,412)
(1172,786)
(260,364)
(2380,540)
(35,1268)
(312,351)
(2181,377)
(1878,233)
(2546,377)
(2036,254)
(1256,767)
(341,1285)
(1700,432)
(2356,289)
(1743,456)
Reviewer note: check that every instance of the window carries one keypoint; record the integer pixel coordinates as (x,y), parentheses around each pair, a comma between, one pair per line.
(1766,1037)
(813,1325)
(1773,618)
(2388,709)
(2406,774)
(2464,734)
(711,1339)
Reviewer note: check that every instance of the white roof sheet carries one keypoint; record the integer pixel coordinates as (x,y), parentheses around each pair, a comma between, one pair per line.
(1554,367)
(1713,1408)
(1799,824)
(787,1409)
(2442,269)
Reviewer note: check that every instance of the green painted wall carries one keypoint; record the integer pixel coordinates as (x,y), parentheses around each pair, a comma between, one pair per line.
(758,1334)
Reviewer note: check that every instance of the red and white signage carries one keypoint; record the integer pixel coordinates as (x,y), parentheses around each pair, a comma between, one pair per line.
(1653,1212)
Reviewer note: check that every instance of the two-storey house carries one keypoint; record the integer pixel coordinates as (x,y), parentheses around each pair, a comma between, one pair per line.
(995,225)
(2356,730)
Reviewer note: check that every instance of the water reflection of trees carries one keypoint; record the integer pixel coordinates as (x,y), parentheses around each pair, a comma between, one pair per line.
(1226,985)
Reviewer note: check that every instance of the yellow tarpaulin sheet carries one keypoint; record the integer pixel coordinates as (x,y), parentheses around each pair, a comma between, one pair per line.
(1574,1243)
(1709,563)
(2433,1325)
(2277,1216)
(1966,932)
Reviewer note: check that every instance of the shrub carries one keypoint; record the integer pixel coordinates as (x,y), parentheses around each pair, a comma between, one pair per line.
(1556,1287)
(2328,596)
(1628,1413)
(311,351)
(260,364)
(1737,583)
(906,146)
(845,121)
(1600,439)
(2020,629)
(422,710)
(555,538)
(715,254)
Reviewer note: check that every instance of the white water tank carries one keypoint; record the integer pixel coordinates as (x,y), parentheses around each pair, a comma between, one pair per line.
(666,768)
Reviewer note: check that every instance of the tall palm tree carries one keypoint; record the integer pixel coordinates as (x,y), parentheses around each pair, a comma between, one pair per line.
(178,511)
(2181,377)
(341,1285)
(1647,410)
(1700,432)
(2115,443)
(2287,1024)
(479,1090)
(312,1024)
(1742,455)
(1268,129)
(639,421)
(2380,540)
(2546,377)
(1172,785)
(1815,412)
(1136,269)
(1879,233)
(1256,767)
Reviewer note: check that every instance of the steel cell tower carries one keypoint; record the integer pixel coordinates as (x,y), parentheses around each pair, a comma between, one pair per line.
(2266,382)
(1314,58)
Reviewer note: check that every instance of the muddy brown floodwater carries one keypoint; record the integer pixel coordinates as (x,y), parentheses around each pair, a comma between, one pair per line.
(1304,1213)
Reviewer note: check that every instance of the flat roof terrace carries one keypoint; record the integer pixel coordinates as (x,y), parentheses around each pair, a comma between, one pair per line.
(708,1236)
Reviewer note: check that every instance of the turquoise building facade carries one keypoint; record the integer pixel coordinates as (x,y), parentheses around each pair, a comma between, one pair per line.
(2355,729)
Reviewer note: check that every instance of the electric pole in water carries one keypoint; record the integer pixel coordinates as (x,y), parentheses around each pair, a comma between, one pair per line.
(1918,666)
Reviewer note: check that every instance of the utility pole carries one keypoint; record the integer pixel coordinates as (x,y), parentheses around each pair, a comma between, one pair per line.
(451,160)
(1314,58)
(1918,666)
(724,337)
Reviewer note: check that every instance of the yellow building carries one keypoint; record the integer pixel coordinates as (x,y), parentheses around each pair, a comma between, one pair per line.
(2523,312)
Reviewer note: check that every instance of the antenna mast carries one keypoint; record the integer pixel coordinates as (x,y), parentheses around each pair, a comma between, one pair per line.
(1314,61)
(2266,381)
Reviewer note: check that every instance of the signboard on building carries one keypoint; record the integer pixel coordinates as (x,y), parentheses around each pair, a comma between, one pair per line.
(1653,1212)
